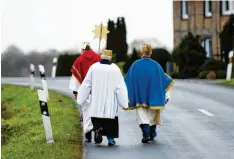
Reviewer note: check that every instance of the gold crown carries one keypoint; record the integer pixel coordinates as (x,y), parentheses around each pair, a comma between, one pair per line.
(146,48)
(107,52)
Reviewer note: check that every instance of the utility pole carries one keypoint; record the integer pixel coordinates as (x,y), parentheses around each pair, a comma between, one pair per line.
(101,32)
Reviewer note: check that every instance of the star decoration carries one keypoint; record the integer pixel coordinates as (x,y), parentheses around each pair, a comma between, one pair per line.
(100,32)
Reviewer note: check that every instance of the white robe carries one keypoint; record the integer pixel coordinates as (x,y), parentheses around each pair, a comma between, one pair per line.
(87,124)
(108,90)
(147,116)
(74,84)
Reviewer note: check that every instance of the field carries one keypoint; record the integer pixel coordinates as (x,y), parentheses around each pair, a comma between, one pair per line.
(23,134)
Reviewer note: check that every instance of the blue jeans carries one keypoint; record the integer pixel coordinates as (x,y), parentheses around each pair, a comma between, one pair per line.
(145,128)
(110,139)
(148,130)
(153,132)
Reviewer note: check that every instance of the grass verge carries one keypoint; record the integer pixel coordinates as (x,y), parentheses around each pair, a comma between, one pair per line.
(23,133)
(227,83)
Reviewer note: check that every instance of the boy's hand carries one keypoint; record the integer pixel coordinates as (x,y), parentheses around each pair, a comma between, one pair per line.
(75,94)
(81,118)
(166,101)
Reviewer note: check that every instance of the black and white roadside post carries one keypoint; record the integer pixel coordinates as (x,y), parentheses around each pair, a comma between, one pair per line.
(54,67)
(43,80)
(229,67)
(45,116)
(32,75)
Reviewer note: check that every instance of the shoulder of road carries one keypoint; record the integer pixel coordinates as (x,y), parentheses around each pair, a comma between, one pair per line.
(218,82)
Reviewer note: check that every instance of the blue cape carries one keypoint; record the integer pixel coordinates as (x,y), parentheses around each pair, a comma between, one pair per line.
(147,84)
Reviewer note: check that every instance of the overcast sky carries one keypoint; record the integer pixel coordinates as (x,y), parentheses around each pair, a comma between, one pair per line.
(64,24)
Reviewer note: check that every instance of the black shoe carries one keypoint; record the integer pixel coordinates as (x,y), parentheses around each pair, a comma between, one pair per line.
(146,133)
(111,143)
(152,138)
(145,139)
(88,136)
(98,136)
(153,132)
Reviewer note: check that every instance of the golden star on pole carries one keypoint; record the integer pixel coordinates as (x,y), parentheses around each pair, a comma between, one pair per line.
(101,32)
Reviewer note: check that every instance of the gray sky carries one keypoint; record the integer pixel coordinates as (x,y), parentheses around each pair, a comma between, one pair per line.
(64,24)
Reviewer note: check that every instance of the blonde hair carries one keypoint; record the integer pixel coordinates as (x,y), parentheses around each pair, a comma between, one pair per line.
(106,57)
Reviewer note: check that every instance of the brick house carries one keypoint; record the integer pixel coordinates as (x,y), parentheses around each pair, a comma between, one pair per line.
(203,18)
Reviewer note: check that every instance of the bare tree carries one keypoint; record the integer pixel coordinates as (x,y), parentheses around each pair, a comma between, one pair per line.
(15,63)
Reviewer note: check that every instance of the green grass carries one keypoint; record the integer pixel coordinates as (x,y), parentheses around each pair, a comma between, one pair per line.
(24,131)
(227,83)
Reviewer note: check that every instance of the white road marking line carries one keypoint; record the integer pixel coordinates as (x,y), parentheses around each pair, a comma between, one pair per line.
(205,112)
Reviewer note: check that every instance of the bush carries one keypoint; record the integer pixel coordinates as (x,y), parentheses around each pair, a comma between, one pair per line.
(65,63)
(226,37)
(179,75)
(162,56)
(189,56)
(217,66)
(203,74)
(211,75)
(212,64)
(221,74)
(130,60)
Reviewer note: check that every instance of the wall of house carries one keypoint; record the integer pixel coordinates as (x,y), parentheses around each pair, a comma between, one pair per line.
(198,24)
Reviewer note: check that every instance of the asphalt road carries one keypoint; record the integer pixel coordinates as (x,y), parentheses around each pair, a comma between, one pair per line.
(198,123)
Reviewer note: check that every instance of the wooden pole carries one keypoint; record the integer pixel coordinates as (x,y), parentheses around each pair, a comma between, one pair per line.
(100,38)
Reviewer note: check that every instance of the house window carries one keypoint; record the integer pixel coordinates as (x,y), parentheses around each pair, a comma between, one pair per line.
(184,9)
(208,8)
(207,44)
(227,7)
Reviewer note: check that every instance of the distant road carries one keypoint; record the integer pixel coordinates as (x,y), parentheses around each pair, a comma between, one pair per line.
(198,123)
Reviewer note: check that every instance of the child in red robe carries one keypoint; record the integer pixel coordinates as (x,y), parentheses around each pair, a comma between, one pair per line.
(79,70)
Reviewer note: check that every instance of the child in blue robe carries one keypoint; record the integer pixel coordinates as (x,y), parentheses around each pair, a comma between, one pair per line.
(147,85)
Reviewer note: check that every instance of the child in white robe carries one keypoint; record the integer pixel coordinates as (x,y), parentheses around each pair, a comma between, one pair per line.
(108,90)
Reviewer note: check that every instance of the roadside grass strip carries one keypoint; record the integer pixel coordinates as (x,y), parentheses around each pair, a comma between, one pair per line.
(23,135)
(227,83)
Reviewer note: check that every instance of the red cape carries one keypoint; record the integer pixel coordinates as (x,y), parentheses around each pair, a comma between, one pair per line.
(81,65)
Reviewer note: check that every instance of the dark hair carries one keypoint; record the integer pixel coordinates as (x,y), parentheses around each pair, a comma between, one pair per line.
(87,47)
